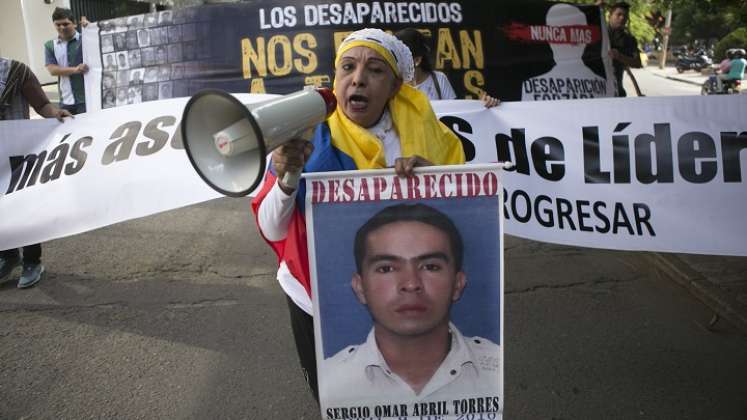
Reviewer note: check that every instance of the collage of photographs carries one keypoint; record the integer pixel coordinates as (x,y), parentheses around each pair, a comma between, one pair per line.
(152,56)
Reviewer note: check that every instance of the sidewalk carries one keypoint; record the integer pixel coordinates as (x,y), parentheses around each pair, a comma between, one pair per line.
(670,72)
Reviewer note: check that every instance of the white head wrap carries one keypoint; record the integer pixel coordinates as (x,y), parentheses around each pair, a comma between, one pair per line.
(394,51)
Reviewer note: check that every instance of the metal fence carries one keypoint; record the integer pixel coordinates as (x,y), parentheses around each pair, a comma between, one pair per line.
(96,10)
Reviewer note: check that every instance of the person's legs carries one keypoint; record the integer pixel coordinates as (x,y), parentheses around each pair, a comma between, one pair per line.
(32,266)
(303,333)
(32,254)
(9,260)
(720,82)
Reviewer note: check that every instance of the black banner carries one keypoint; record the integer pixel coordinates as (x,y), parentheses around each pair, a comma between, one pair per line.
(272,46)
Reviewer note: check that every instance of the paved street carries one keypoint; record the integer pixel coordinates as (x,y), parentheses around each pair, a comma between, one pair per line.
(652,82)
(178,315)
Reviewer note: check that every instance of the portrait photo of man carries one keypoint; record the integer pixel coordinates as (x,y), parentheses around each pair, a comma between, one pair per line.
(122,61)
(155,36)
(177,71)
(148,56)
(106,27)
(409,274)
(134,95)
(123,78)
(175,53)
(110,100)
(179,16)
(163,34)
(135,59)
(107,43)
(120,41)
(143,38)
(164,73)
(108,80)
(150,92)
(175,34)
(164,17)
(134,22)
(132,40)
(161,57)
(121,96)
(110,63)
(151,74)
(151,19)
(120,24)
(165,90)
(136,77)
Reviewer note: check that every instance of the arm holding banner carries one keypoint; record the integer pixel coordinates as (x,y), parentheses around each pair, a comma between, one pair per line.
(32,91)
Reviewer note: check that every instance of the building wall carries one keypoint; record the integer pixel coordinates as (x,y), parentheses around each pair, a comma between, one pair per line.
(12,32)
(24,27)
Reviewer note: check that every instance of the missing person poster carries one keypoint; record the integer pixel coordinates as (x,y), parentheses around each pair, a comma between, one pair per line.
(511,50)
(552,51)
(407,277)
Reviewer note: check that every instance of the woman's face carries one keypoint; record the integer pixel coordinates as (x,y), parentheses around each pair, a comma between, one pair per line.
(364,83)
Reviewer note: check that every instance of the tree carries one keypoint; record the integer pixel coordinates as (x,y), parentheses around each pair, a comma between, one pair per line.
(706,20)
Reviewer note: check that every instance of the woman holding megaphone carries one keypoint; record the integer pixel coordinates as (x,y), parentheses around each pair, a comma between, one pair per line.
(380,121)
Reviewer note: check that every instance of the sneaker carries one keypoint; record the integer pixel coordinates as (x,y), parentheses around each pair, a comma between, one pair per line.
(32,273)
(7,265)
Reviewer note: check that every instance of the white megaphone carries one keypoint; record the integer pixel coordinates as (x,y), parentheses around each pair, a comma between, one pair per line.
(227,142)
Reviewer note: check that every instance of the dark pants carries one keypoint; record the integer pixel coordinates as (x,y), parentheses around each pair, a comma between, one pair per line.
(75,109)
(31,254)
(303,333)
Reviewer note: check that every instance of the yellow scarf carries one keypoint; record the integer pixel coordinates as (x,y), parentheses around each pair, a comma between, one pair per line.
(420,133)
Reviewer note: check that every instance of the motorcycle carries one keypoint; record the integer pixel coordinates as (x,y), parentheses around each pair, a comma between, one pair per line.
(697,62)
(728,87)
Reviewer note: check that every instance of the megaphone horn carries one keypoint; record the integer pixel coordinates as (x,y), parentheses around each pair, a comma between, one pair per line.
(227,142)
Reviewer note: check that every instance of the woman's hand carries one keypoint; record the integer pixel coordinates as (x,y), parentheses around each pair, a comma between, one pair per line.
(488,100)
(290,158)
(404,166)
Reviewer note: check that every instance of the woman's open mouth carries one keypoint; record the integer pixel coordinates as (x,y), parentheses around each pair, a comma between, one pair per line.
(358,103)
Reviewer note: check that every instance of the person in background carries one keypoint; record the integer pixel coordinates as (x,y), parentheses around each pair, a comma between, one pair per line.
(624,50)
(20,88)
(736,69)
(725,64)
(432,82)
(64,59)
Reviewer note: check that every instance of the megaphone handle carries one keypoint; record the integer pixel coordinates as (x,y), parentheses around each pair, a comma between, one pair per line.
(291,179)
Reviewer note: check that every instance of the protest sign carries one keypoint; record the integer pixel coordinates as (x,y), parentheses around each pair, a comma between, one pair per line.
(538,51)
(392,269)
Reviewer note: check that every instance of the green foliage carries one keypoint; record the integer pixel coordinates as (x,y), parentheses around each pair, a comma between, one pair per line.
(736,39)
(640,28)
(703,19)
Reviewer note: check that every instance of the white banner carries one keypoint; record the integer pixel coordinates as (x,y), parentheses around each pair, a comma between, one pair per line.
(655,174)
(60,179)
